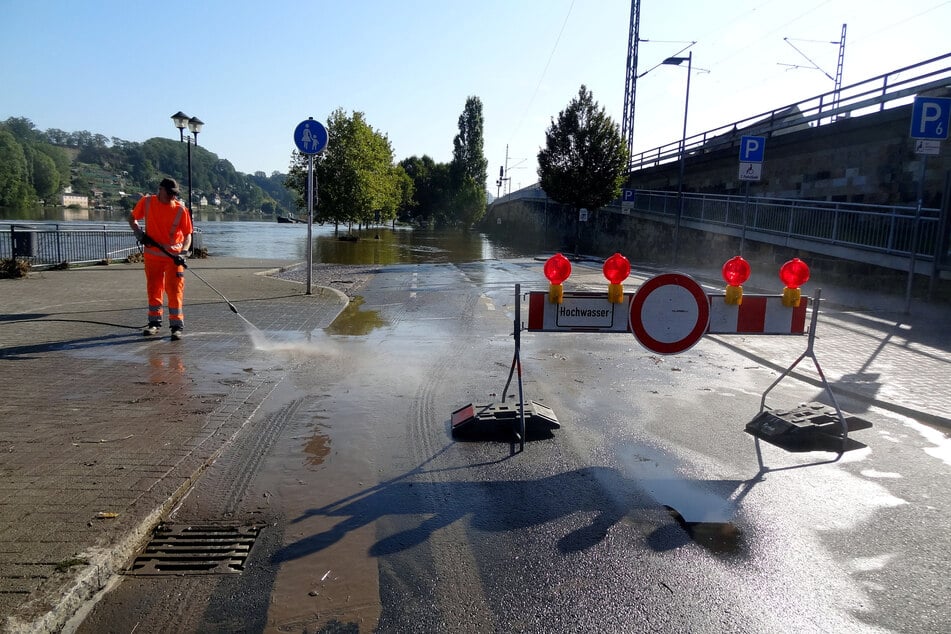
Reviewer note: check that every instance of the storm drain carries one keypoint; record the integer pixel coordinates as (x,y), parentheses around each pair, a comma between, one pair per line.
(195,550)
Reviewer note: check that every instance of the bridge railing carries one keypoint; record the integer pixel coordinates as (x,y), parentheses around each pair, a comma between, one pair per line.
(892,89)
(892,230)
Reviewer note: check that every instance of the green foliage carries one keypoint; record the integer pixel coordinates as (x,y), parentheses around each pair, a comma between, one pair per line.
(584,159)
(469,202)
(469,165)
(45,175)
(35,164)
(468,159)
(14,175)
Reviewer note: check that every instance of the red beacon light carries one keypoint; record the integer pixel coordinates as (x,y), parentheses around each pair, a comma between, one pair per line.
(616,269)
(557,269)
(735,271)
(793,274)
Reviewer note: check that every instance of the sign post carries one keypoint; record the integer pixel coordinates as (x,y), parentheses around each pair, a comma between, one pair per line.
(930,118)
(311,138)
(752,151)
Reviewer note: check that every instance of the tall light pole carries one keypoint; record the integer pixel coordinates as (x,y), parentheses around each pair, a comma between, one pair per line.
(677,61)
(181,121)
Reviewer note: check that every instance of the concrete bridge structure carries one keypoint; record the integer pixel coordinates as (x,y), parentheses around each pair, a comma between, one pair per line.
(847,168)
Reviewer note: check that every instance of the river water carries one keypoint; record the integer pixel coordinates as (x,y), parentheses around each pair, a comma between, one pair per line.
(268,239)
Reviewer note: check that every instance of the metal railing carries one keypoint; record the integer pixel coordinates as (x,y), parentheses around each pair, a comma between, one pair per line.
(46,245)
(892,89)
(879,234)
(886,230)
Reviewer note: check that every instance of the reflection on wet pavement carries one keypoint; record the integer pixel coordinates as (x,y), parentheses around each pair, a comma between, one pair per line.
(317,447)
(353,321)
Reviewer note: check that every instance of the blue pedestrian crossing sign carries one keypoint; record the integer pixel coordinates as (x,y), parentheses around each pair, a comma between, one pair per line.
(752,149)
(310,136)
(930,117)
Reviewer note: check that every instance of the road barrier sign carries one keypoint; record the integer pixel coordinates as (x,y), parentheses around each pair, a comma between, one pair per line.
(577,312)
(669,313)
(757,315)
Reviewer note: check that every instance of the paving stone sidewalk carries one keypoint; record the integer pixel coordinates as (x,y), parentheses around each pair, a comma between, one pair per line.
(102,429)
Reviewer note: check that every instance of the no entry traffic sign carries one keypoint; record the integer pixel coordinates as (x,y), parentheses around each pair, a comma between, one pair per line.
(669,313)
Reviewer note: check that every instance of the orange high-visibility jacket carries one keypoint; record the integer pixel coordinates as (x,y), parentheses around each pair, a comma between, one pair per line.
(168,224)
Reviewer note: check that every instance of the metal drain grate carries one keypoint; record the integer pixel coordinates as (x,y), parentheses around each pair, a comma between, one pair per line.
(195,550)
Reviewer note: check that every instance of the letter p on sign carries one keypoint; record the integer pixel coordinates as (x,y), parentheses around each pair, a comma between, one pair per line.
(930,117)
(752,149)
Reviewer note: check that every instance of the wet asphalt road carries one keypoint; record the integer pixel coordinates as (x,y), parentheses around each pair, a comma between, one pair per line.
(649,510)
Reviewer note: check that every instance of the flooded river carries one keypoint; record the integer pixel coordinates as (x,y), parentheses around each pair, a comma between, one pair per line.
(269,239)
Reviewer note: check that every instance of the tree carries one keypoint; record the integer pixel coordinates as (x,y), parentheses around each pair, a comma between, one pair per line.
(358,182)
(45,175)
(584,160)
(469,202)
(468,158)
(469,165)
(14,176)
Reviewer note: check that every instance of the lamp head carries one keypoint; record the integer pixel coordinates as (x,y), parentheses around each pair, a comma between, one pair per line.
(180,119)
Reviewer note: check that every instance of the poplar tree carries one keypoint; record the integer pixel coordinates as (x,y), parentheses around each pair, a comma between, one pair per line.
(469,166)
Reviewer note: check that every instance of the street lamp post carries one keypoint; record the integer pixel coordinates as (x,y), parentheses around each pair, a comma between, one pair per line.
(676,61)
(181,121)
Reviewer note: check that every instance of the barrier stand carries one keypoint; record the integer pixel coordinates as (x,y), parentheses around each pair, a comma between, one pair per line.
(502,416)
(804,427)
(669,314)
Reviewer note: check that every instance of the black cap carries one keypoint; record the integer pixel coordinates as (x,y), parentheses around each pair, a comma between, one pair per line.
(169,185)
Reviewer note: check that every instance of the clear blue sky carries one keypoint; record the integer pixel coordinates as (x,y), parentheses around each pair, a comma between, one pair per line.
(253,70)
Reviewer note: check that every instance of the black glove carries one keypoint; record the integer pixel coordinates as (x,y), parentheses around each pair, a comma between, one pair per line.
(180,261)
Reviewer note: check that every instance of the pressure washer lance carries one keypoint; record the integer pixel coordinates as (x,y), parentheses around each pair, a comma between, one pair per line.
(180,260)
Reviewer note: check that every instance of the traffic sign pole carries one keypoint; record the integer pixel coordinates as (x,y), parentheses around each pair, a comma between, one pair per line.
(311,138)
(310,223)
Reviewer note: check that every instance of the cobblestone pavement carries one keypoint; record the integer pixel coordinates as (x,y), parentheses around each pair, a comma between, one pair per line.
(102,429)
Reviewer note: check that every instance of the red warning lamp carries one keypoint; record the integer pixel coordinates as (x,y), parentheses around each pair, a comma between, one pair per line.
(557,269)
(793,274)
(735,271)
(616,269)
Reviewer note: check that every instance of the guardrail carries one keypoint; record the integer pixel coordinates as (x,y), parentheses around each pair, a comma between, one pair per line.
(68,244)
(878,234)
(890,230)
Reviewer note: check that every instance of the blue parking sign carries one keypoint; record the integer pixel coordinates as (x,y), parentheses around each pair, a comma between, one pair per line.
(930,117)
(627,195)
(752,149)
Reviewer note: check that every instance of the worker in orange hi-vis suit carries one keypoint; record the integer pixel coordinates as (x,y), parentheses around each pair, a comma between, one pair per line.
(167,236)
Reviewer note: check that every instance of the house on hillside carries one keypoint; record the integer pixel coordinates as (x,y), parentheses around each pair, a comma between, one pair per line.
(75,199)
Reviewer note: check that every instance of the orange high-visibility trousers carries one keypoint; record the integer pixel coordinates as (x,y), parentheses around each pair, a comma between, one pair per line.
(164,277)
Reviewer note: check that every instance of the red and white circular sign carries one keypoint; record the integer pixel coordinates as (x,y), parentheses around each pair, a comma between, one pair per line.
(669,313)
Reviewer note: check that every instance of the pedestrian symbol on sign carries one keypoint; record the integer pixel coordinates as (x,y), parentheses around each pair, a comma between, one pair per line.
(310,137)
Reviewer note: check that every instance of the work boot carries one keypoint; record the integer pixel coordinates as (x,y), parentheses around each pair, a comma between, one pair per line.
(152,328)
(177,332)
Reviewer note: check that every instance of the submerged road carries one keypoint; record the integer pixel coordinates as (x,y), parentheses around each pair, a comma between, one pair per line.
(649,510)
